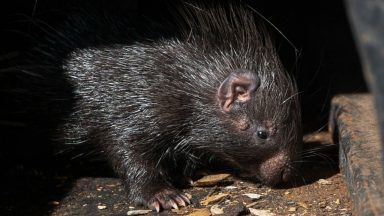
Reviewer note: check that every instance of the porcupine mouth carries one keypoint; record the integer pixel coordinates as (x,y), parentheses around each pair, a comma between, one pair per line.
(274,171)
(281,178)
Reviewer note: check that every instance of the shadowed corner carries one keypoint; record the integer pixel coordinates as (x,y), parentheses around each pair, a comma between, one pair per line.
(33,178)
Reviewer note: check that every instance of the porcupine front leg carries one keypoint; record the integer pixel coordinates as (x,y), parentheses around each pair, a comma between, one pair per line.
(146,183)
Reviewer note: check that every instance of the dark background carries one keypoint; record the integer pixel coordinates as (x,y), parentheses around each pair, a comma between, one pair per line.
(325,64)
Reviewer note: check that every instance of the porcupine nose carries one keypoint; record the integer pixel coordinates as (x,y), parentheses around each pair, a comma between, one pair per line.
(276,169)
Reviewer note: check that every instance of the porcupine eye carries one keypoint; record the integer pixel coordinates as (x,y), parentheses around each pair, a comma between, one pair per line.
(262,134)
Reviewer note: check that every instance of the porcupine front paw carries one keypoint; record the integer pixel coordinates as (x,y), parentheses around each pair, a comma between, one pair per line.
(168,198)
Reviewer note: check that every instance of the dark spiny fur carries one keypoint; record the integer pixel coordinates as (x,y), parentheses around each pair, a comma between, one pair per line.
(152,107)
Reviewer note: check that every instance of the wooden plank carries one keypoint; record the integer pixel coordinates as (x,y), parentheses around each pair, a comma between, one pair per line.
(367,22)
(354,126)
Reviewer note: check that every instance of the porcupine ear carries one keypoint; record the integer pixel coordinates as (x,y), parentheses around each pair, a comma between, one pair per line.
(238,86)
